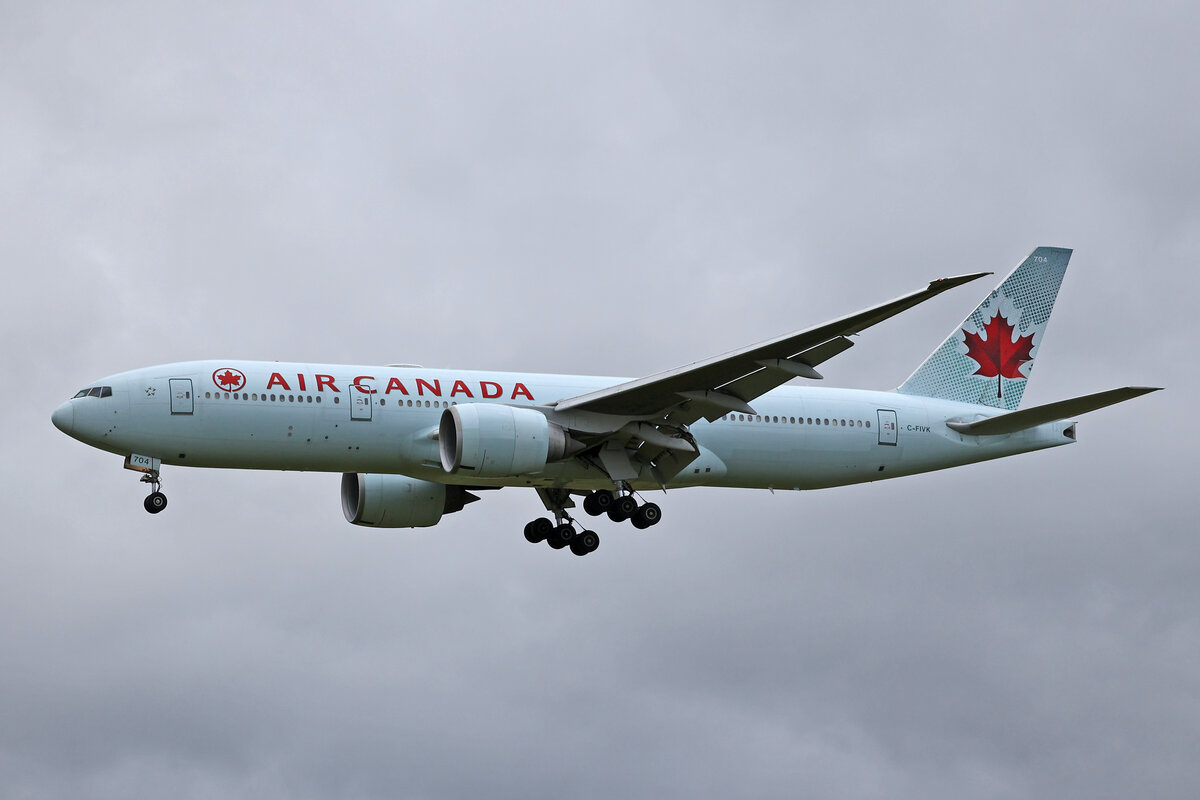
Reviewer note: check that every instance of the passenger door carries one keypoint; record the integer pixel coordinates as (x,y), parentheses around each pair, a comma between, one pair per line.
(887,427)
(361,403)
(182,401)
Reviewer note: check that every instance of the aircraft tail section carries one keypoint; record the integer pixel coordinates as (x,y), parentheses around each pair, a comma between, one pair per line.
(988,358)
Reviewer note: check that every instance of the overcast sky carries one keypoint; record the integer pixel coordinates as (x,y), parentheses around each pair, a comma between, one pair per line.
(598,188)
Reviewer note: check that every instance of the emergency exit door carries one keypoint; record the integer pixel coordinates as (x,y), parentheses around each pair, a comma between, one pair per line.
(887,427)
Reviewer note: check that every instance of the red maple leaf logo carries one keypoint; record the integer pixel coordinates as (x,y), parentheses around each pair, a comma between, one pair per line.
(999,355)
(231,379)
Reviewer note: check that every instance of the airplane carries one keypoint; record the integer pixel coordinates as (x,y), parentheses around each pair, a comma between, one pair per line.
(414,444)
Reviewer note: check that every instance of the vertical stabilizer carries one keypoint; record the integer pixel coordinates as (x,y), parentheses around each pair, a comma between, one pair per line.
(988,359)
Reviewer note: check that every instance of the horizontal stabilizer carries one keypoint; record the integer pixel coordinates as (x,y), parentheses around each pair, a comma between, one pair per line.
(1039,415)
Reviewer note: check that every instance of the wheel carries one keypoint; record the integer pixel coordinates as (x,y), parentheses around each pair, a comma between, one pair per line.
(560,537)
(647,515)
(155,502)
(589,540)
(584,542)
(623,508)
(602,500)
(537,530)
(592,506)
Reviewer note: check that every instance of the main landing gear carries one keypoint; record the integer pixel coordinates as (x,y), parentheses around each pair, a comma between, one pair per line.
(561,533)
(156,501)
(622,507)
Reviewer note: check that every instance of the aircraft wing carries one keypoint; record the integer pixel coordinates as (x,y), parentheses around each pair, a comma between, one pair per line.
(715,386)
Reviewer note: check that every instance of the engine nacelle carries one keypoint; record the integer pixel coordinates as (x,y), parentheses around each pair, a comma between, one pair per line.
(397,501)
(499,441)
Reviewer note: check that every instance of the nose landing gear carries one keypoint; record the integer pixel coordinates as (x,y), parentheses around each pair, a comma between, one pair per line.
(156,501)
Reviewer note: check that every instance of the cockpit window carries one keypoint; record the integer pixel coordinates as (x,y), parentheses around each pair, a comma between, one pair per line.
(94,391)
(106,391)
(81,393)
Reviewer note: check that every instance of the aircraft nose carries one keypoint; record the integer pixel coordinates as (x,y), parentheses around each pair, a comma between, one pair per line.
(64,417)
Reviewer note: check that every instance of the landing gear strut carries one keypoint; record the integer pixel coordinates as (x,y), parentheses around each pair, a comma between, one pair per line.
(156,501)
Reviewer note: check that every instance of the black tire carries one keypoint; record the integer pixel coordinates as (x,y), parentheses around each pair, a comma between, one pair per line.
(155,502)
(625,507)
(591,506)
(603,500)
(588,540)
(579,549)
(560,537)
(647,515)
(538,529)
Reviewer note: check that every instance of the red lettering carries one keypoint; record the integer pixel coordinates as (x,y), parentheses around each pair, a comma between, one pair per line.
(520,389)
(364,378)
(277,380)
(459,386)
(395,383)
(322,382)
(300,378)
(435,389)
(490,389)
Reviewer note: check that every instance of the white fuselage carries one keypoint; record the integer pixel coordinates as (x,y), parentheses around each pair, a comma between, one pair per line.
(337,418)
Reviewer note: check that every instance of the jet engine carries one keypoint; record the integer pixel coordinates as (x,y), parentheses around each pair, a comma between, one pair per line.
(498,441)
(398,501)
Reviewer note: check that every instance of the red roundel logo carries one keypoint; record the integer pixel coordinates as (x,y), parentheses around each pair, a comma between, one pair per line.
(231,380)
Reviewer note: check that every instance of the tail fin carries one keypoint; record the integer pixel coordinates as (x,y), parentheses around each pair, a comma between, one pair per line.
(987,359)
